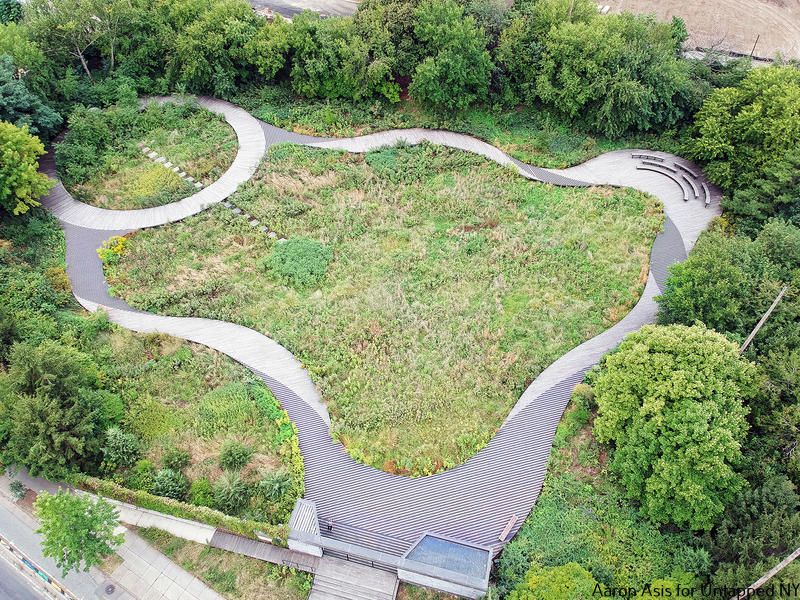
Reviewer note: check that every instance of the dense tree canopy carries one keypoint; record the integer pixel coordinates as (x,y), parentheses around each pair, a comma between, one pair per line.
(456,68)
(20,106)
(568,582)
(670,400)
(617,74)
(742,130)
(78,532)
(21,184)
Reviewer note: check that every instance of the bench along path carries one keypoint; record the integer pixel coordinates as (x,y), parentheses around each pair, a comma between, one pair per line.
(474,502)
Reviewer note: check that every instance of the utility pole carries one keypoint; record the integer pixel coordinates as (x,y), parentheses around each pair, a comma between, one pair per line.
(763,320)
(767,576)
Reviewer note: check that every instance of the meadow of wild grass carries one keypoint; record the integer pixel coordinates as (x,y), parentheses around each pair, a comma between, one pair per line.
(453,283)
(198,141)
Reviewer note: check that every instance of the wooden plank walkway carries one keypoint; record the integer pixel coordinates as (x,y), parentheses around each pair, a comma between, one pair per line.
(474,501)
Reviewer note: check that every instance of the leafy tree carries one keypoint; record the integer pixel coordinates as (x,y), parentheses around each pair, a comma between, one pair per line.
(22,107)
(21,184)
(26,56)
(670,399)
(53,416)
(141,475)
(387,27)
(331,61)
(268,49)
(775,192)
(492,16)
(759,525)
(455,71)
(78,532)
(567,582)
(617,74)
(210,51)
(740,131)
(68,29)
(10,11)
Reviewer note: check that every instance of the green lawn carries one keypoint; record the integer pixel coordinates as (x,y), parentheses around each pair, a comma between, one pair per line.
(530,134)
(233,576)
(453,283)
(198,141)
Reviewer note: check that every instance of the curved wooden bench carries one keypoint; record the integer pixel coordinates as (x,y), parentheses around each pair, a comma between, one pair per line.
(648,157)
(662,171)
(691,182)
(660,165)
(706,193)
(687,169)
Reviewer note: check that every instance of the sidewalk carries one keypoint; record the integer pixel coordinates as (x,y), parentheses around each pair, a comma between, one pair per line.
(145,573)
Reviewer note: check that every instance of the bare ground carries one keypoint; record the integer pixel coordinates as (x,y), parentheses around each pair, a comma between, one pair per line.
(730,24)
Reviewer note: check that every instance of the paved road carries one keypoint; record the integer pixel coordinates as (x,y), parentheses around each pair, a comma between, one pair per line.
(14,586)
(290,8)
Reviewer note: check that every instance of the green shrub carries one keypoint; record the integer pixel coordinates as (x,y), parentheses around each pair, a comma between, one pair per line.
(201,493)
(227,408)
(168,506)
(18,489)
(274,486)
(234,456)
(299,262)
(170,484)
(121,449)
(175,459)
(231,493)
(10,11)
(141,476)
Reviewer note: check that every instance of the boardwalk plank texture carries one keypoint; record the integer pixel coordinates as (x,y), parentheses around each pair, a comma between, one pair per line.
(365,506)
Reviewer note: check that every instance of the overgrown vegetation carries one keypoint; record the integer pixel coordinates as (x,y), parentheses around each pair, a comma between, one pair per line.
(149,413)
(453,282)
(101,162)
(233,576)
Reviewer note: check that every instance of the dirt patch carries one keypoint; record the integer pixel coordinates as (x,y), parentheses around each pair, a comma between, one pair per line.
(730,24)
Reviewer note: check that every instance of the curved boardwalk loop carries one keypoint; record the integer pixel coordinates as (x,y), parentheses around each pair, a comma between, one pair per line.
(475,501)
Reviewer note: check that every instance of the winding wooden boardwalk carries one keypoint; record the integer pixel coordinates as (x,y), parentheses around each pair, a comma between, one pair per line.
(472,502)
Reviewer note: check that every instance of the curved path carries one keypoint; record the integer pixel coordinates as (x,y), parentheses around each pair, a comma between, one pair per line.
(472,502)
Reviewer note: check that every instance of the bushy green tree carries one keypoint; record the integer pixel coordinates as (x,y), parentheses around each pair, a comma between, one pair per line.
(566,582)
(269,48)
(330,60)
(10,11)
(456,67)
(775,192)
(26,56)
(21,184)
(20,106)
(740,131)
(616,75)
(760,526)
(78,532)
(670,399)
(387,27)
(211,50)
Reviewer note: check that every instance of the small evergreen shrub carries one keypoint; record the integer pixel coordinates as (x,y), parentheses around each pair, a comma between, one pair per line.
(274,486)
(231,493)
(201,493)
(170,484)
(176,460)
(18,490)
(234,456)
(141,476)
(299,262)
(121,449)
